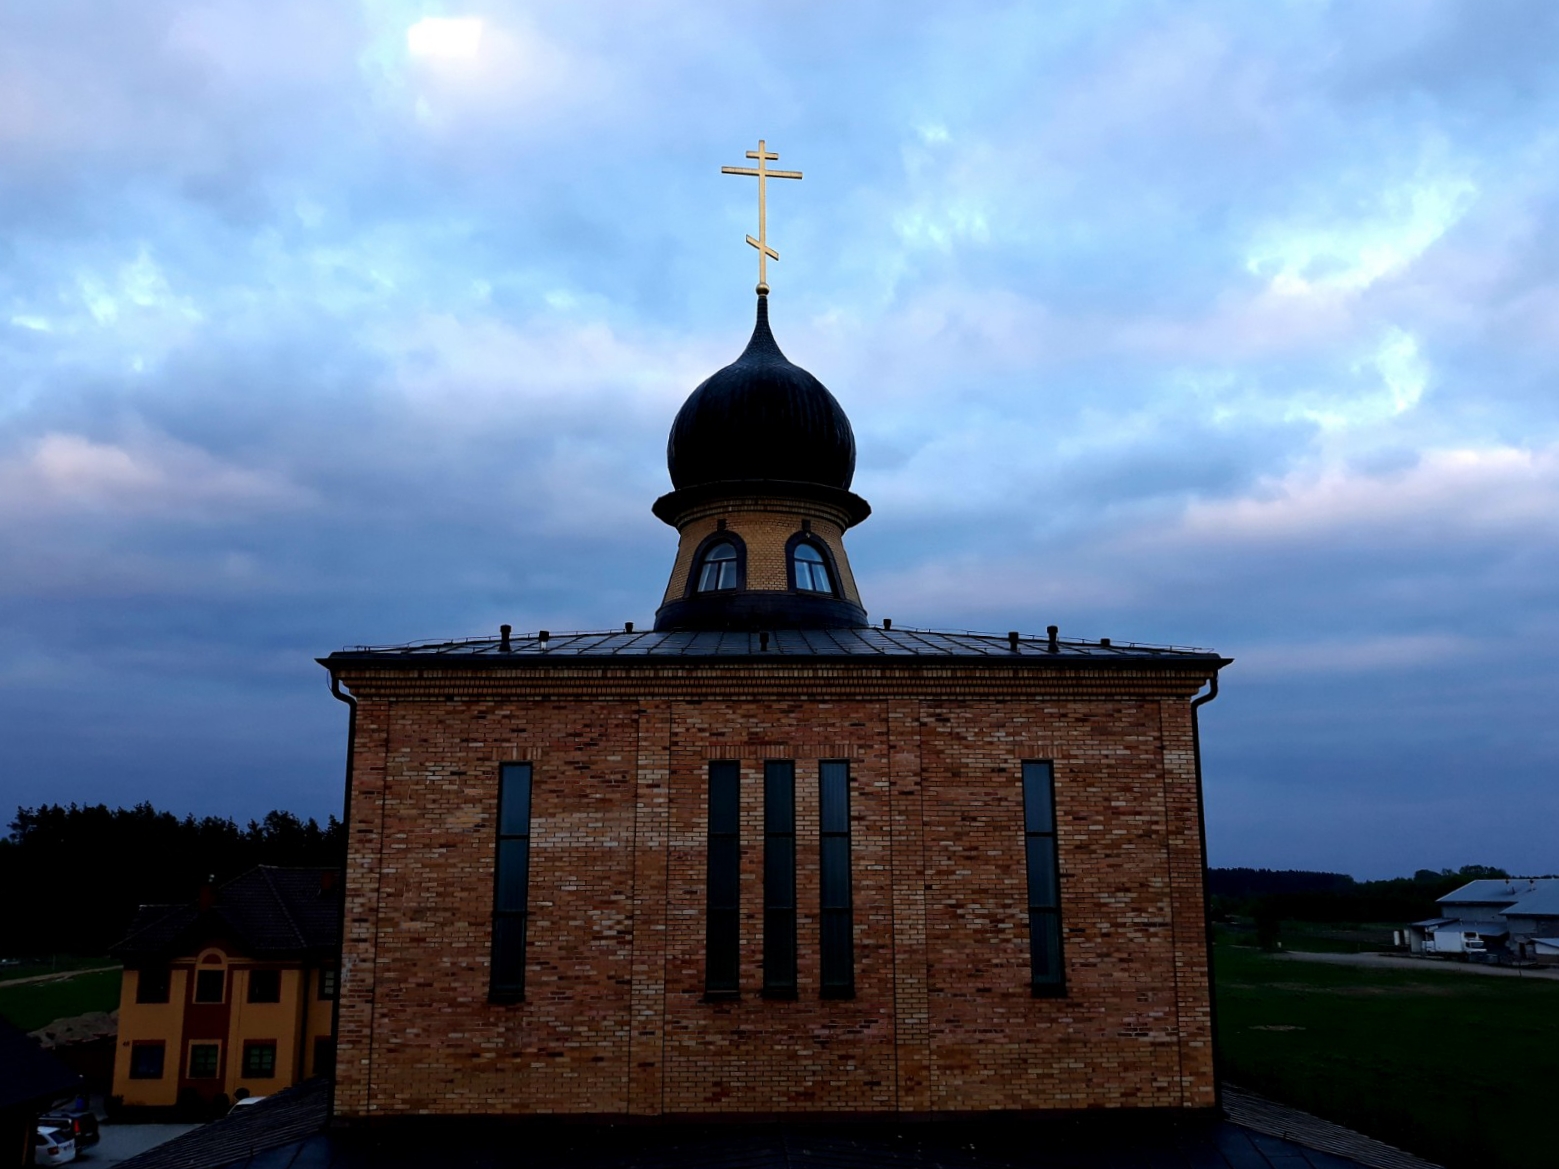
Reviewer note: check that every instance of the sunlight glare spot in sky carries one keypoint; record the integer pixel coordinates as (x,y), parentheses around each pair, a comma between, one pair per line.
(446,38)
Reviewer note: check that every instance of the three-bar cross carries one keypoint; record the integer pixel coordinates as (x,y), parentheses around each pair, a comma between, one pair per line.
(763,174)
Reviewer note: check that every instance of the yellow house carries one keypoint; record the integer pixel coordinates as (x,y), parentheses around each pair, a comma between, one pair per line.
(234,992)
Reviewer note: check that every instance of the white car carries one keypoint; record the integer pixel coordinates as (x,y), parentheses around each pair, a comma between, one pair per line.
(55,1146)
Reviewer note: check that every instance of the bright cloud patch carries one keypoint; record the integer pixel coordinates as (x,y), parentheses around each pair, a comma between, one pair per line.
(1349,254)
(148,475)
(445,38)
(1473,492)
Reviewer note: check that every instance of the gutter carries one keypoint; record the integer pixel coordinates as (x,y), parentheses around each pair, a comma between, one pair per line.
(346,831)
(1207,901)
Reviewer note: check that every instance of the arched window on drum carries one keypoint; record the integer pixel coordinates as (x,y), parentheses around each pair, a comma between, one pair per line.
(717,569)
(811,569)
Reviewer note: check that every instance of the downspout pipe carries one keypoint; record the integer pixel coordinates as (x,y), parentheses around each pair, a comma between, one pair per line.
(346,831)
(1207,901)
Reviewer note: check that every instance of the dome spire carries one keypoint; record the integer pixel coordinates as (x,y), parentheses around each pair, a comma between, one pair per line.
(762,173)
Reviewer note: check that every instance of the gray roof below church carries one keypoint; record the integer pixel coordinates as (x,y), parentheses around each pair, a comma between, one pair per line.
(288,1131)
(855,644)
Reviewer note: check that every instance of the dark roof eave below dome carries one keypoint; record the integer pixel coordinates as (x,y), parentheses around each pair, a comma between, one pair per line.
(670,507)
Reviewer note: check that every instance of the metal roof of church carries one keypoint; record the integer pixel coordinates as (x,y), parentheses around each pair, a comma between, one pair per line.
(815,644)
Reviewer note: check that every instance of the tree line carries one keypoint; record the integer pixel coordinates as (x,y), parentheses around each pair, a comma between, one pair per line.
(1270,895)
(72,877)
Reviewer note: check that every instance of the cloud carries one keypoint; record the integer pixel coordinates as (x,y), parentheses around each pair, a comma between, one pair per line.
(147,475)
(1205,323)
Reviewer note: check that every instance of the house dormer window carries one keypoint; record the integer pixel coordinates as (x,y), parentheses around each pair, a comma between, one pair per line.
(811,570)
(717,569)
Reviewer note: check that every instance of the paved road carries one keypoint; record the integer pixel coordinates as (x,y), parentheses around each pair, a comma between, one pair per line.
(1393,962)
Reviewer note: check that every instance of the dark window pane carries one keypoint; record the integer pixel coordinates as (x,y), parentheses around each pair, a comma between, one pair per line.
(836,796)
(1045,946)
(779,796)
(1042,872)
(1038,810)
(721,945)
(721,551)
(151,985)
(836,872)
(511,879)
(724,795)
(721,973)
(327,984)
(146,1061)
(509,953)
(779,873)
(779,876)
(514,800)
(209,985)
(324,1056)
(265,986)
(724,873)
(809,553)
(513,875)
(838,956)
(203,1061)
(779,950)
(259,1061)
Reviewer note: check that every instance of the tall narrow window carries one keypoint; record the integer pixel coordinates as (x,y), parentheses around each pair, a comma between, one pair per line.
(511,901)
(718,570)
(1047,977)
(779,878)
(721,945)
(837,914)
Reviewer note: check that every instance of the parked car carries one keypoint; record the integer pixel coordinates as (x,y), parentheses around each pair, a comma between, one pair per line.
(55,1145)
(81,1122)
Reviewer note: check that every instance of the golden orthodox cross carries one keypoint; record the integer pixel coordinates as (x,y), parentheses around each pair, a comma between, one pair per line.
(763,174)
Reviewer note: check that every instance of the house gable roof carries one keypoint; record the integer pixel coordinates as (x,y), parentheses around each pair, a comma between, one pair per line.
(267,912)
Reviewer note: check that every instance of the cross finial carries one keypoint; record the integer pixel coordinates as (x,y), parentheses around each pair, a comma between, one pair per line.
(763,174)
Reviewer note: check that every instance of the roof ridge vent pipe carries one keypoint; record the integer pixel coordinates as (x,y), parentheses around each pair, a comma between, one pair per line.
(1012,640)
(1053,632)
(503,638)
(763,641)
(542,638)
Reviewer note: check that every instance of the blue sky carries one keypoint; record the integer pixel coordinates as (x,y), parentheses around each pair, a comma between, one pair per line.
(1220,324)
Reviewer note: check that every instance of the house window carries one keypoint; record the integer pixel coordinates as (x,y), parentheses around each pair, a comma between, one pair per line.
(146,1060)
(324,1056)
(838,951)
(779,878)
(811,569)
(265,986)
(204,1061)
(511,882)
(210,985)
(327,985)
(259,1059)
(1047,977)
(152,986)
(717,569)
(723,909)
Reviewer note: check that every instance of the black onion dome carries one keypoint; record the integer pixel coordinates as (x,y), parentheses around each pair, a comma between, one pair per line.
(761,418)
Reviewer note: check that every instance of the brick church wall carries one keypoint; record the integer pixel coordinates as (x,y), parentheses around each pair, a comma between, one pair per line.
(614,1021)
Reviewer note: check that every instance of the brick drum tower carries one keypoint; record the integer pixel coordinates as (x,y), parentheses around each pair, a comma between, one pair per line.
(769,858)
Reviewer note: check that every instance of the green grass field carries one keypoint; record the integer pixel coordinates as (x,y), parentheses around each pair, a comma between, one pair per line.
(1458,1068)
(33,1004)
